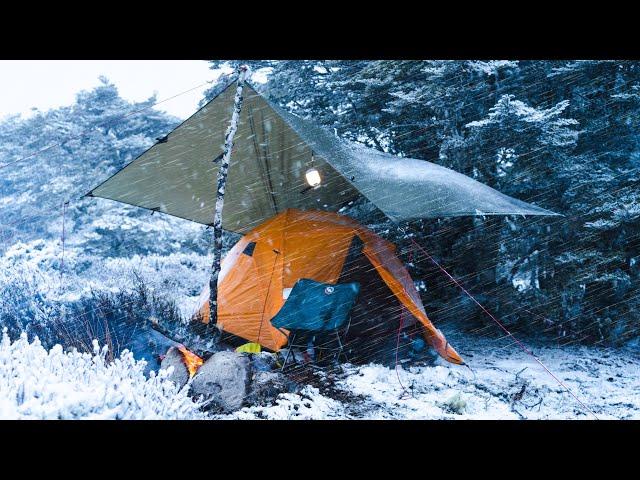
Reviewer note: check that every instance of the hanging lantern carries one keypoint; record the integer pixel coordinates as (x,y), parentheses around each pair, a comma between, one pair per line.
(313,177)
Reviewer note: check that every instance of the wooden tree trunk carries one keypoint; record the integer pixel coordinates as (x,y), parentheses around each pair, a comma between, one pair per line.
(221,187)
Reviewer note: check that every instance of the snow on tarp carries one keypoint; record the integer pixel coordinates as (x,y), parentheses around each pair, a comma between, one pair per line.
(273,150)
(408,188)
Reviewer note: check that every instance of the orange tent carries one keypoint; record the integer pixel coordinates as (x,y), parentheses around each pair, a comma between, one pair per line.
(319,246)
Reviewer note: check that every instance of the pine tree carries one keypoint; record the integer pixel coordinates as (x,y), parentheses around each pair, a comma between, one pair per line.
(561,134)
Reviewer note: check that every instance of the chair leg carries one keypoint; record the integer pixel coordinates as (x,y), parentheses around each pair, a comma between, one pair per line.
(290,342)
(346,331)
(339,345)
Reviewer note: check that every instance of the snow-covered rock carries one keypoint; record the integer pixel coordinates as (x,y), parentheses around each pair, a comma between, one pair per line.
(223,381)
(173,363)
(308,404)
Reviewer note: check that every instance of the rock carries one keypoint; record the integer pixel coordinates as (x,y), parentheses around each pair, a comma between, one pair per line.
(180,374)
(222,381)
(263,362)
(266,386)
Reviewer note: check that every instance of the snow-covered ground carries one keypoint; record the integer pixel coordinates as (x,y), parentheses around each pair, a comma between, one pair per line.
(504,383)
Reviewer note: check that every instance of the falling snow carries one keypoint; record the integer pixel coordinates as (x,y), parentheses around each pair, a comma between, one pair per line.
(561,135)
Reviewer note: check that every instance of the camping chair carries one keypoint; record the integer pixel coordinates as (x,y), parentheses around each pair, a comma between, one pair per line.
(316,310)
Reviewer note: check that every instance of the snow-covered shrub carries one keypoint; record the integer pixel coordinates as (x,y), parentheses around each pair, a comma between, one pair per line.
(114,318)
(40,384)
(455,404)
(25,308)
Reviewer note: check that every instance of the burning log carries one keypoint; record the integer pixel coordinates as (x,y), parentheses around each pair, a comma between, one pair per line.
(227,380)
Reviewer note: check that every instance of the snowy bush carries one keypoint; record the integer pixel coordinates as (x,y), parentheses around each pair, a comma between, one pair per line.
(40,384)
(33,302)
(25,307)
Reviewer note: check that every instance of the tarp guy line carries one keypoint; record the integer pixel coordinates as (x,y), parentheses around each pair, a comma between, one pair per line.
(88,130)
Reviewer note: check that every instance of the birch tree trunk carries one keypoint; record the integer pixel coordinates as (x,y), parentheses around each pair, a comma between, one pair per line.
(221,187)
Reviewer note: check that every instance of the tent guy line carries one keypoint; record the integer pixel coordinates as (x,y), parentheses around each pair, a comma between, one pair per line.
(64,215)
(227,76)
(509,334)
(222,77)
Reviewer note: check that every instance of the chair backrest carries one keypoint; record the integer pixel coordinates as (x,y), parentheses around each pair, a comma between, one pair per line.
(316,306)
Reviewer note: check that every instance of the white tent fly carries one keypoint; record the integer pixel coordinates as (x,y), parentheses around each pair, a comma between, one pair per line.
(275,156)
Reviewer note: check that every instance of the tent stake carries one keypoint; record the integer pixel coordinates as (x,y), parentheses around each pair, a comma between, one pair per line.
(243,70)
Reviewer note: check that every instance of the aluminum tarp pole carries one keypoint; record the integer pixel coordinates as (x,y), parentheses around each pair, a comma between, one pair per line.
(221,187)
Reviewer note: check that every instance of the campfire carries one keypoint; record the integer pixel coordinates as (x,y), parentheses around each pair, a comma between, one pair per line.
(191,360)
(226,380)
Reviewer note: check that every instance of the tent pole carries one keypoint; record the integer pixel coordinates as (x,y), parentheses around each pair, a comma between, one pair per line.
(243,71)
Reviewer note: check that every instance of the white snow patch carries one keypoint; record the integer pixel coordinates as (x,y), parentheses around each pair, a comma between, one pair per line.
(309,404)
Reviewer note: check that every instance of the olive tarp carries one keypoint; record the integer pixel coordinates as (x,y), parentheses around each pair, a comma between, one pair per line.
(272,151)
